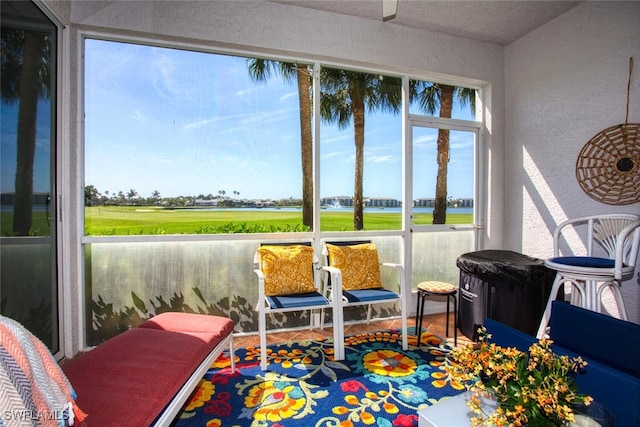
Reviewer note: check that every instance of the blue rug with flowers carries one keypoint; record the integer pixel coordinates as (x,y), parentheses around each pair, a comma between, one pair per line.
(378,384)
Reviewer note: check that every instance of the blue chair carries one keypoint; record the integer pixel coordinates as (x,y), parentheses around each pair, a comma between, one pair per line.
(287,283)
(353,279)
(601,253)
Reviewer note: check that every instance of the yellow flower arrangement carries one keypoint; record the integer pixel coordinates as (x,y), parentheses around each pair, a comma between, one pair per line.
(532,389)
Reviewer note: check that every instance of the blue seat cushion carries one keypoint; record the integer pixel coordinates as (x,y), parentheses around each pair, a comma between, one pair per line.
(309,299)
(376,294)
(584,261)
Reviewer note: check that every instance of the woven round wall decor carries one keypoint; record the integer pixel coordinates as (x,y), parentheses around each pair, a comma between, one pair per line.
(608,166)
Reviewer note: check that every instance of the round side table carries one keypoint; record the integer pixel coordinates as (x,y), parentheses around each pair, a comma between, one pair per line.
(433,287)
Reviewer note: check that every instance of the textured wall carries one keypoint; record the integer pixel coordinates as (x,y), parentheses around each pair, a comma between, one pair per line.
(565,82)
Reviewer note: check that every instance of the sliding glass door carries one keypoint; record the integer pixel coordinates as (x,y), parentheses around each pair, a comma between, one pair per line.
(29,286)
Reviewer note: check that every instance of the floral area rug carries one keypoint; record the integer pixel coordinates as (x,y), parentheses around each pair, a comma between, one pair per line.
(378,384)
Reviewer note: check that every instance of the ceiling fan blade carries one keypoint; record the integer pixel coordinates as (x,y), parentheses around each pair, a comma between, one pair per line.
(389,9)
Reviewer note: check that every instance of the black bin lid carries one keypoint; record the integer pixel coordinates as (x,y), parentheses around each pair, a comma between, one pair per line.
(503,265)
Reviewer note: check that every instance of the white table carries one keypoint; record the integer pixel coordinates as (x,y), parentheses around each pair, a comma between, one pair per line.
(452,412)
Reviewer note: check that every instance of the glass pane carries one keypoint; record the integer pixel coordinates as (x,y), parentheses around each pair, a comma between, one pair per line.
(440,100)
(361,151)
(183,142)
(453,202)
(429,264)
(204,277)
(152,277)
(28,287)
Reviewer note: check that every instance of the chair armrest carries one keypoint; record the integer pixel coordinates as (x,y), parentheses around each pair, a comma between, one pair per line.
(336,279)
(391,264)
(621,248)
(261,293)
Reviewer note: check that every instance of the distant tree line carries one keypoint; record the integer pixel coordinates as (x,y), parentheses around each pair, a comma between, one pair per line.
(93,197)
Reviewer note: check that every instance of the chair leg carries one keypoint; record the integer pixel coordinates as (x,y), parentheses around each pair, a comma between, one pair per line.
(403,314)
(447,321)
(419,314)
(455,320)
(338,332)
(262,326)
(232,356)
(312,322)
(546,316)
(578,294)
(617,294)
(592,297)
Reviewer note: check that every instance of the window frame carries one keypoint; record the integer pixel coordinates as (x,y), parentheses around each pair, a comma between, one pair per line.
(316,235)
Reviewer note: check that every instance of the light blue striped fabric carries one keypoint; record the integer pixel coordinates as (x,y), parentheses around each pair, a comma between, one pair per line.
(33,388)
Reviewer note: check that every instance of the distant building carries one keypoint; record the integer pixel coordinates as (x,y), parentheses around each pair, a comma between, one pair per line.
(430,202)
(206,202)
(264,203)
(424,203)
(382,202)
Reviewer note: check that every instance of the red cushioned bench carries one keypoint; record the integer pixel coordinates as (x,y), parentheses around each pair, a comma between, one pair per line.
(144,376)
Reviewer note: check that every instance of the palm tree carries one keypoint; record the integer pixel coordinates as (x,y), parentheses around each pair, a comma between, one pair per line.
(131,194)
(429,96)
(346,96)
(260,70)
(91,193)
(26,71)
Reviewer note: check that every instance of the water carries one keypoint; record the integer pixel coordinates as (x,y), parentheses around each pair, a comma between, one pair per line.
(346,209)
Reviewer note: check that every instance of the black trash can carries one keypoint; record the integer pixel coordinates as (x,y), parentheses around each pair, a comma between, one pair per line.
(505,286)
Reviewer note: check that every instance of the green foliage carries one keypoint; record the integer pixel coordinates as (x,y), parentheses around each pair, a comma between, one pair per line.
(534,388)
(128,220)
(247,228)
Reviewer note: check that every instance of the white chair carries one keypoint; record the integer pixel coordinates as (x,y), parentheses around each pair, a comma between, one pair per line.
(607,258)
(286,283)
(366,295)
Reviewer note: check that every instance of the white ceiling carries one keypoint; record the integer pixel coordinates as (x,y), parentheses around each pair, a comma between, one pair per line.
(499,22)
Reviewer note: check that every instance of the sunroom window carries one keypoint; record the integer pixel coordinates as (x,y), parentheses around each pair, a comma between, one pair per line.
(184,142)
(193,159)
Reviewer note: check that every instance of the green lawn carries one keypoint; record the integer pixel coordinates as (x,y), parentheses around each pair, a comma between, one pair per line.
(39,224)
(139,220)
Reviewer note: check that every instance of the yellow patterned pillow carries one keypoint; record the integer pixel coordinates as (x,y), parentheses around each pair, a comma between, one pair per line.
(359,265)
(287,269)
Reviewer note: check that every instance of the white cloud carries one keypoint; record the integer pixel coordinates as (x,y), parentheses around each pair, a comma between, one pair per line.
(381,159)
(288,95)
(138,116)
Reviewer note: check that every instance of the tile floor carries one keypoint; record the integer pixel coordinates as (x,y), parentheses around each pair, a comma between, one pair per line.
(433,322)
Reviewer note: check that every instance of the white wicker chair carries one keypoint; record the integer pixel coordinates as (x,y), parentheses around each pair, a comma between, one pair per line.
(607,258)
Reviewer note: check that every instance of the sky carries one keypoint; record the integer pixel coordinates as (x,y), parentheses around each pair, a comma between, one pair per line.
(188,123)
(8,148)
